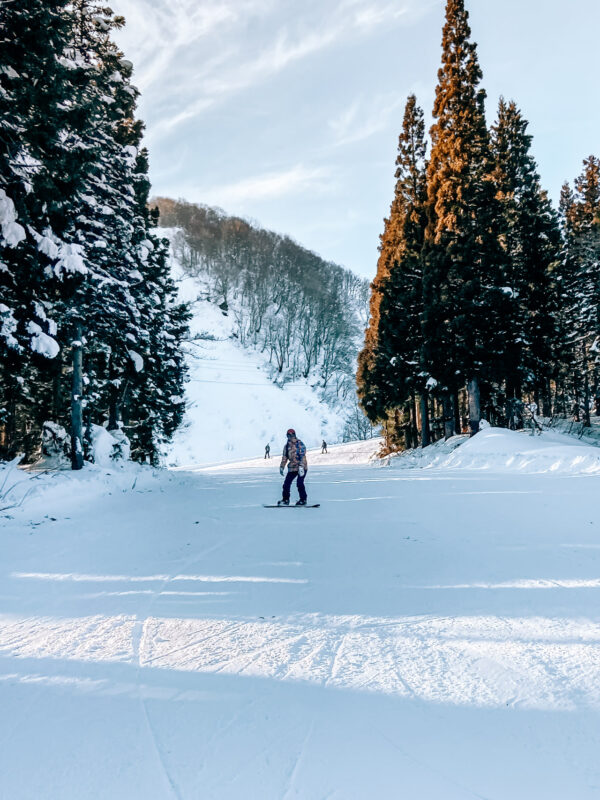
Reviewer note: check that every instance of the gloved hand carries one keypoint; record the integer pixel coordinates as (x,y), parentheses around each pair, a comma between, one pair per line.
(301,471)
(281,471)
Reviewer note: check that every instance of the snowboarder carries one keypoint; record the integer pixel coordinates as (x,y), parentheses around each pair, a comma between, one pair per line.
(268,451)
(324,447)
(294,455)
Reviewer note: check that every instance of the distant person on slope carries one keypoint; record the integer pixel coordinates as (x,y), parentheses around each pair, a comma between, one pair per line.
(268,451)
(324,447)
(294,455)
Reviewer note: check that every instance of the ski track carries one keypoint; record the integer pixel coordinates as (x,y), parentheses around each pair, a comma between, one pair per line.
(476,661)
(296,766)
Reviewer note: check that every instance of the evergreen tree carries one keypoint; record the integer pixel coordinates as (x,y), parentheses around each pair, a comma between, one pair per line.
(390,365)
(465,308)
(580,283)
(86,294)
(41,168)
(531,238)
(156,404)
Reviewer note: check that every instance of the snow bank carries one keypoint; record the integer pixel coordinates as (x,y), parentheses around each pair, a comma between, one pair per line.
(48,491)
(499,450)
(433,456)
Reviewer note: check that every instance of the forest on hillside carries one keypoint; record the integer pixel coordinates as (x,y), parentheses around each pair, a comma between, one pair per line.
(307,315)
(486,302)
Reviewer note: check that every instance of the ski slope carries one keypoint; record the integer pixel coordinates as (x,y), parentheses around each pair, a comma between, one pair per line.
(233,407)
(430,632)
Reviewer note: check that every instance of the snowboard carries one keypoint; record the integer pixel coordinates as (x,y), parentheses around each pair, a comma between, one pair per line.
(315,505)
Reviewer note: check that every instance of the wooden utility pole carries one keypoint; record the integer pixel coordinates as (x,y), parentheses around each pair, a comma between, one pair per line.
(77,401)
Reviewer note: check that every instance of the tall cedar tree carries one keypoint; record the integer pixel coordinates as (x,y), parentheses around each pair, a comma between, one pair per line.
(390,364)
(580,212)
(531,238)
(465,314)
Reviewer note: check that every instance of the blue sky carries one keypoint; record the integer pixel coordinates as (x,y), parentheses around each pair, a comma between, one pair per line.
(288,111)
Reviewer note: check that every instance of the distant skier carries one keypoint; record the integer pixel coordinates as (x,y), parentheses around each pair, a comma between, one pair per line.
(324,447)
(294,455)
(268,451)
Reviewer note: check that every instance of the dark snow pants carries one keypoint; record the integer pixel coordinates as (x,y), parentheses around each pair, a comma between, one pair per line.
(287,485)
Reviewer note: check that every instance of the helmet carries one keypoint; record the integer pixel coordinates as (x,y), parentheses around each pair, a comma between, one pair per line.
(291,432)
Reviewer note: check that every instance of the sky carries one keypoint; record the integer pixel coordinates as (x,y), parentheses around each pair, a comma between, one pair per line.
(287,112)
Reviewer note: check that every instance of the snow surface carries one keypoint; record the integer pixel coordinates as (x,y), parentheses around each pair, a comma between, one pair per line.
(427,633)
(233,408)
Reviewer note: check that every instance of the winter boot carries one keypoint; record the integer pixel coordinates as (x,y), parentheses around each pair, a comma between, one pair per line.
(301,503)
(283,502)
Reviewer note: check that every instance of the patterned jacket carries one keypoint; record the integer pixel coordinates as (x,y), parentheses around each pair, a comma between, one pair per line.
(294,452)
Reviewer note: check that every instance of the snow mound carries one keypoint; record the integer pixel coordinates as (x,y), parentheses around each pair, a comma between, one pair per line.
(499,450)
(433,456)
(43,490)
(109,447)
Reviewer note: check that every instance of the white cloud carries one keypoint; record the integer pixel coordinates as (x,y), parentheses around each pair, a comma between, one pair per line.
(189,56)
(270,185)
(365,117)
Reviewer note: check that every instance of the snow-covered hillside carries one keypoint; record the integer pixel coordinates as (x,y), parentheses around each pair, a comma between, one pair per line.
(233,407)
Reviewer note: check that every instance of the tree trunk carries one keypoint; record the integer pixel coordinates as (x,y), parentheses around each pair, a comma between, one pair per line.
(425,438)
(456,408)
(586,393)
(474,405)
(448,407)
(76,402)
(414,416)
(56,387)
(547,399)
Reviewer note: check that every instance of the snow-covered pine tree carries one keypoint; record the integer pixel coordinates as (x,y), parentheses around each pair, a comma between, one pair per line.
(41,168)
(134,326)
(465,316)
(155,404)
(76,231)
(390,370)
(531,238)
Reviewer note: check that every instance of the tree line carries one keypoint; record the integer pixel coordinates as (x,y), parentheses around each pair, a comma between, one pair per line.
(304,313)
(90,327)
(485,297)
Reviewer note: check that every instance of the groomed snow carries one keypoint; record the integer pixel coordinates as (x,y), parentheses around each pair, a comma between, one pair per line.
(427,633)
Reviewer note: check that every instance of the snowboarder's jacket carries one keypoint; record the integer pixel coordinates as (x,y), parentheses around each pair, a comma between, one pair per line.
(294,452)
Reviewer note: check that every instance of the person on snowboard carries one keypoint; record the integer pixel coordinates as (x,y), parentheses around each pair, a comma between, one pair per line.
(294,455)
